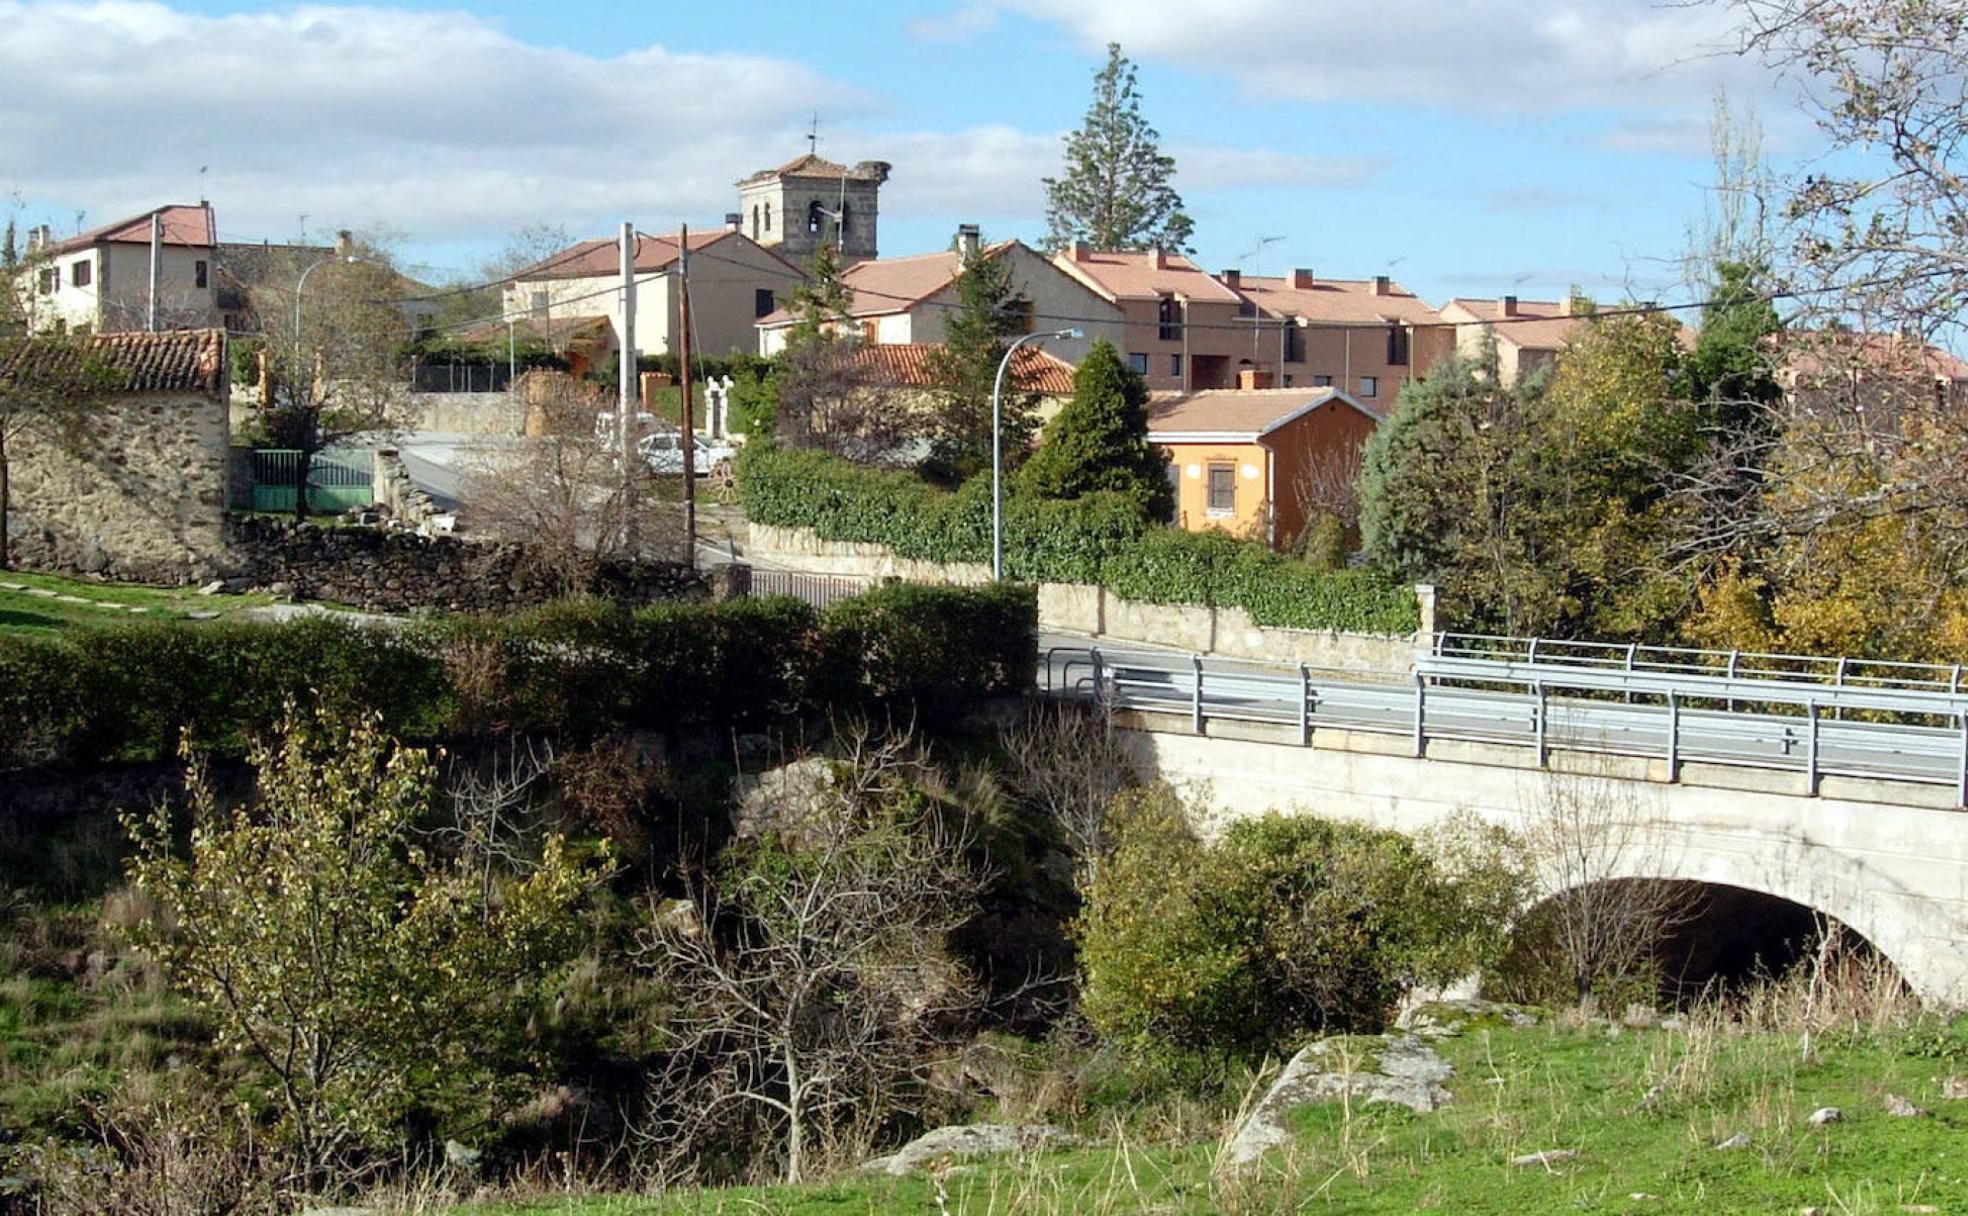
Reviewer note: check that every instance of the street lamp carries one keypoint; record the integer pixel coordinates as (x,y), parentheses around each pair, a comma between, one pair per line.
(997,446)
(302,282)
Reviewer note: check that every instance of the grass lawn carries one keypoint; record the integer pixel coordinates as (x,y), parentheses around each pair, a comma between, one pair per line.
(1518,1091)
(47,603)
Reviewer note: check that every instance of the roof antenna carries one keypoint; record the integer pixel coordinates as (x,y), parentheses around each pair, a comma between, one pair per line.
(203,198)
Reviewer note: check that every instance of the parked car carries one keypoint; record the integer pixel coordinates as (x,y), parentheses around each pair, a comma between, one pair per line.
(663,451)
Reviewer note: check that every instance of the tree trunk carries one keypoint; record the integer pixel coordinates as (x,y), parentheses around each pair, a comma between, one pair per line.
(6,507)
(795,1128)
(303,465)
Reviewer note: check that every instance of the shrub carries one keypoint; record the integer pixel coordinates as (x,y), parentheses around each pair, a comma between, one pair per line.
(575,669)
(1288,924)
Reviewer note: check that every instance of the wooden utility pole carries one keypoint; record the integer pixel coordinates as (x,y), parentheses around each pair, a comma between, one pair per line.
(689,425)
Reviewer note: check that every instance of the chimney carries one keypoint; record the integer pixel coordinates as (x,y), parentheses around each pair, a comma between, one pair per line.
(968,242)
(1079,251)
(733,221)
(344,243)
(39,238)
(1158,258)
(1381,286)
(1233,279)
(1507,306)
(1301,279)
(1250,379)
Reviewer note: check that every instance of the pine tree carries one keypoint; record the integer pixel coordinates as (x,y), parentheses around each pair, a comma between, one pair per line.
(1115,192)
(975,337)
(821,302)
(1099,440)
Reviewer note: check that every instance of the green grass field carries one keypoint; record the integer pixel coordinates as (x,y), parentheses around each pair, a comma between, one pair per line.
(1518,1091)
(46,603)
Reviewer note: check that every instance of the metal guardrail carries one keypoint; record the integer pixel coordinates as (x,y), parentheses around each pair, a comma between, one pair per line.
(1538,699)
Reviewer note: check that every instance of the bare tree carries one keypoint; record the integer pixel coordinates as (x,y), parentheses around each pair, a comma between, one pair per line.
(563,494)
(1593,852)
(813,985)
(1734,224)
(831,399)
(335,351)
(1066,762)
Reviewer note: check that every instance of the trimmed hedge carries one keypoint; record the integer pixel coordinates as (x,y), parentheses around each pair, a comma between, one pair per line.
(1100,538)
(574,669)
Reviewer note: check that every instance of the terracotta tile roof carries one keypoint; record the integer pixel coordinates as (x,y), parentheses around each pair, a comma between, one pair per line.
(1537,325)
(907,365)
(888,285)
(1232,411)
(182,360)
(604,257)
(183,225)
(1132,275)
(1344,300)
(810,165)
(1814,354)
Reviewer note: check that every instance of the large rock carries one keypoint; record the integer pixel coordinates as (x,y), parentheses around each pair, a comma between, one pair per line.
(971,1140)
(1445,1019)
(1397,1068)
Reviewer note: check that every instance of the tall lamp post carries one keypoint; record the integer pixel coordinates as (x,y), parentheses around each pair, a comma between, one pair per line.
(997,446)
(301,283)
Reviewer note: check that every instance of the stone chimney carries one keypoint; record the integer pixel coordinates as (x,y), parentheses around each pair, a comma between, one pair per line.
(1233,279)
(1079,251)
(969,243)
(733,221)
(1251,379)
(1158,259)
(1301,279)
(1507,306)
(1381,285)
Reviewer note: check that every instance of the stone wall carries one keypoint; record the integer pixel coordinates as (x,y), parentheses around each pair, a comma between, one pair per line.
(393,571)
(395,489)
(141,496)
(463,413)
(1098,613)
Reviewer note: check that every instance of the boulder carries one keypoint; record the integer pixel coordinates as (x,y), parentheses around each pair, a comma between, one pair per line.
(1446,1019)
(1902,1108)
(971,1140)
(1824,1115)
(1397,1068)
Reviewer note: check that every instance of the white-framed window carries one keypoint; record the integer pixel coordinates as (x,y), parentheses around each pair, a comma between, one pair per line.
(1322,382)
(1222,488)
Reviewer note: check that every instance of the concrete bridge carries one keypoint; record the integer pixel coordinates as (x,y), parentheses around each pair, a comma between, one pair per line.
(1817,786)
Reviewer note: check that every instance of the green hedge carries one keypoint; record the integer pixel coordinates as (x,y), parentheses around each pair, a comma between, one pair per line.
(578,669)
(1097,539)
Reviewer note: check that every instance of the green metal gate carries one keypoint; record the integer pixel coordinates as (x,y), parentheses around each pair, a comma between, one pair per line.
(336,480)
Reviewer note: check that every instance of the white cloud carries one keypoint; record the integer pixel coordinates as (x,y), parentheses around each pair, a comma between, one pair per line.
(429,122)
(1481,55)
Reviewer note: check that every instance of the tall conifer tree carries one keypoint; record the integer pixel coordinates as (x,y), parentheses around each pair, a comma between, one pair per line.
(1114,192)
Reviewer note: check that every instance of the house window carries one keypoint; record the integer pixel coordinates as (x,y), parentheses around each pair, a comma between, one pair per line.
(1138,363)
(1169,315)
(1223,489)
(1370,386)
(1288,381)
(761,301)
(870,332)
(1397,346)
(201,274)
(1019,314)
(540,305)
(1294,343)
(50,279)
(1322,382)
(79,272)
(1175,365)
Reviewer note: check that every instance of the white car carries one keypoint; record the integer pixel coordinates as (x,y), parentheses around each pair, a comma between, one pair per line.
(663,451)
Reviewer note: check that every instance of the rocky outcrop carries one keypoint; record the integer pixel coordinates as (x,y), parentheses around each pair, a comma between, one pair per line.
(971,1140)
(1397,1068)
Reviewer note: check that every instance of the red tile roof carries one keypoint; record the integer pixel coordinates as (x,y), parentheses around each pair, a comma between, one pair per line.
(1130,275)
(1343,300)
(908,365)
(1537,324)
(1240,412)
(1818,353)
(604,257)
(182,360)
(810,165)
(183,225)
(887,285)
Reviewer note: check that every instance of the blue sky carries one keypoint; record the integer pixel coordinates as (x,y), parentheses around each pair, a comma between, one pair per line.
(1466,146)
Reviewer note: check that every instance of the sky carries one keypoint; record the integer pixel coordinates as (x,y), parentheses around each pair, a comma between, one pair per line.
(1466,147)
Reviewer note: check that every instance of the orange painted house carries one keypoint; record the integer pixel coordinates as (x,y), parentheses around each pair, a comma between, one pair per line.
(1239,457)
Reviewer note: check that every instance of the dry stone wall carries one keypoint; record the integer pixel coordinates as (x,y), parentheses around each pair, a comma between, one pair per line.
(392,571)
(140,496)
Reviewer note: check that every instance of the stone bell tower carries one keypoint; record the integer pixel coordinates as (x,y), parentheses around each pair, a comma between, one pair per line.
(811,201)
